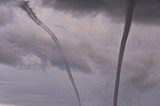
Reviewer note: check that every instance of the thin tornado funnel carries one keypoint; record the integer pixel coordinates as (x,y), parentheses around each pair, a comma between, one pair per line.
(128,22)
(24,5)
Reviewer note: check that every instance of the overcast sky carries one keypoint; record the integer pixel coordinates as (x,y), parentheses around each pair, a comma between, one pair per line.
(32,72)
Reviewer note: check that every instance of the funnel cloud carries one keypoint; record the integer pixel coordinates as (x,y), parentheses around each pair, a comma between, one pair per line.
(90,35)
(128,22)
(24,5)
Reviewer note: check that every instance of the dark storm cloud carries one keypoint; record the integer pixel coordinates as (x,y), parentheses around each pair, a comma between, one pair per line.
(78,7)
(146,11)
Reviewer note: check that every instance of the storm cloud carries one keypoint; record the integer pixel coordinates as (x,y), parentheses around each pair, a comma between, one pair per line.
(146,11)
(90,40)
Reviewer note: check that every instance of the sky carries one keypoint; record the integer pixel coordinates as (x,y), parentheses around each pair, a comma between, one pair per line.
(32,72)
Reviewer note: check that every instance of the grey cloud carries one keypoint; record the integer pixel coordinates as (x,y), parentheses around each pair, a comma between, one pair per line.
(30,88)
(140,77)
(139,80)
(6,15)
(18,45)
(80,7)
(35,88)
(104,60)
(15,46)
(145,73)
(8,52)
(5,1)
(146,11)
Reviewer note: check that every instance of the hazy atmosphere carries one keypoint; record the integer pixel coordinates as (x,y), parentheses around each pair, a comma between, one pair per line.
(32,72)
